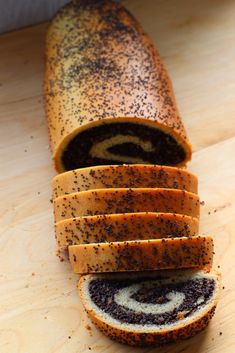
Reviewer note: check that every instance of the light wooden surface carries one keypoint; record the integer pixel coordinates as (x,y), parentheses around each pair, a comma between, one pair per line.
(40,310)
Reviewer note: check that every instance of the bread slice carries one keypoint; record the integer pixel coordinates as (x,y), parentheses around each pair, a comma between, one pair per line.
(141,255)
(123,176)
(150,308)
(108,97)
(122,227)
(109,201)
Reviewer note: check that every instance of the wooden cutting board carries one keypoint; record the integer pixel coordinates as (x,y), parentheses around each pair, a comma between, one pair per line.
(40,310)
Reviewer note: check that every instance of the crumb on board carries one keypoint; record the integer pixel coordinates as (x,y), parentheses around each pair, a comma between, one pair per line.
(89,329)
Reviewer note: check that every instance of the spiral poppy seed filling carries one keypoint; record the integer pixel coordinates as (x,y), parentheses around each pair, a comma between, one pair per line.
(151,302)
(118,143)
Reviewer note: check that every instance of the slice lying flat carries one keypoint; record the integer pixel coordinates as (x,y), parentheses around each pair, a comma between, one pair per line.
(140,255)
(123,176)
(109,201)
(150,308)
(122,227)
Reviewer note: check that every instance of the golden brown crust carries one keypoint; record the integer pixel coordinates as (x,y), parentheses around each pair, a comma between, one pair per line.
(102,68)
(152,337)
(123,176)
(122,227)
(109,201)
(170,253)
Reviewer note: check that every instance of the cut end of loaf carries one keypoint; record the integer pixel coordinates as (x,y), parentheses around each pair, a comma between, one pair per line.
(122,142)
(150,308)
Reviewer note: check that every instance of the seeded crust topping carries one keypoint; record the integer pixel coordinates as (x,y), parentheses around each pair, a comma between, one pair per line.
(104,81)
(157,302)
(140,255)
(111,228)
(123,176)
(110,201)
(121,227)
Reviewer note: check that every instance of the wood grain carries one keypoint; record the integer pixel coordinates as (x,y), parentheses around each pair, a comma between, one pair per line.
(40,310)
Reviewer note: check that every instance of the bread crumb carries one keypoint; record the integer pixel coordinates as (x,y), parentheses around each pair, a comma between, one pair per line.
(181,315)
(33,273)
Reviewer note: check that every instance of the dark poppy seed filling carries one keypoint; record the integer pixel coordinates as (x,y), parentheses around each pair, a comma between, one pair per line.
(164,149)
(151,302)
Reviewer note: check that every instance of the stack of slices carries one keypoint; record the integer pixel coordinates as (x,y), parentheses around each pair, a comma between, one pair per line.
(130,219)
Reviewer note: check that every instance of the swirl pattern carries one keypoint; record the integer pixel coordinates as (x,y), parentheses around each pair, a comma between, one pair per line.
(157,302)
